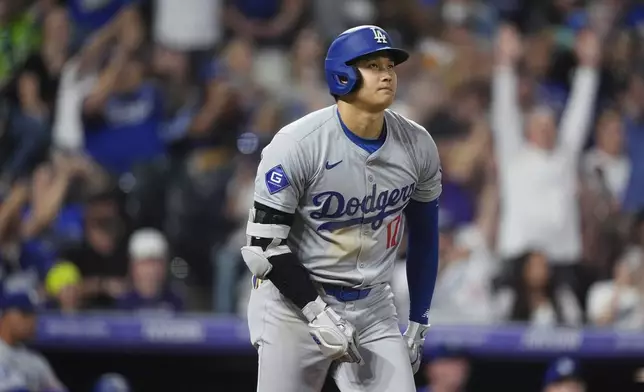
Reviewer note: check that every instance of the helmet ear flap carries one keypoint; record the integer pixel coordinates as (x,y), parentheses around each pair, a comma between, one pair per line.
(345,81)
(358,80)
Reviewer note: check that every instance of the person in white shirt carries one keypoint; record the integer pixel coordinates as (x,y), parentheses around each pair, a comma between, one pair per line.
(606,165)
(617,303)
(538,163)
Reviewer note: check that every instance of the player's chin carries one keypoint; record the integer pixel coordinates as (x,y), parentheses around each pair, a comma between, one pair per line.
(384,98)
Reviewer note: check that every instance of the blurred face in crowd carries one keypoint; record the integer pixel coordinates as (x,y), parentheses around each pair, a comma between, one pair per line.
(566,386)
(22,325)
(542,129)
(379,83)
(104,226)
(57,30)
(239,57)
(307,48)
(449,374)
(69,298)
(610,137)
(536,271)
(148,275)
(130,77)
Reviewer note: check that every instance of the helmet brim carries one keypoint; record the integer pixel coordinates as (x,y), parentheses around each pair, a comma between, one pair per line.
(398,56)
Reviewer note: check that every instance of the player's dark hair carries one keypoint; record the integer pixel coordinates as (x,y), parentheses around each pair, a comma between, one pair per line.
(521,308)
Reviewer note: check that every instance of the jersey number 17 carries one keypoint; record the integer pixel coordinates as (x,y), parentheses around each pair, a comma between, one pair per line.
(392,231)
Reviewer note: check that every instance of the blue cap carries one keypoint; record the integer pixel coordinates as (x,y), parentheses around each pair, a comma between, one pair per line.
(111,382)
(24,300)
(562,369)
(444,351)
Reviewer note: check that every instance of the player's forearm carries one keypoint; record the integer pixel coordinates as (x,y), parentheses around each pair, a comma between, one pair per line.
(286,272)
(422,257)
(292,279)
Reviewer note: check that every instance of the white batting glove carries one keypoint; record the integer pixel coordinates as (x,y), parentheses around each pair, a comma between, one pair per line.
(414,337)
(336,337)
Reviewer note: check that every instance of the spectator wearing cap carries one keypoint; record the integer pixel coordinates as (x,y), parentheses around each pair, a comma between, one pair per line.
(448,370)
(148,251)
(564,375)
(112,382)
(63,285)
(21,368)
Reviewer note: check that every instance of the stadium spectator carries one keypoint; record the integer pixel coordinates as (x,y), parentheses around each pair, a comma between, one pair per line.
(533,297)
(101,257)
(112,382)
(617,303)
(23,369)
(228,265)
(633,103)
(149,287)
(20,35)
(63,285)
(448,370)
(192,25)
(606,162)
(123,114)
(564,375)
(538,174)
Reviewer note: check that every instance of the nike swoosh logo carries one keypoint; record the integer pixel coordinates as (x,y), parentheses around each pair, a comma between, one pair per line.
(331,166)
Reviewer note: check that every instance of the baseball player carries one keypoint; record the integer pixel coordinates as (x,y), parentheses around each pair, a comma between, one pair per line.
(332,194)
(564,375)
(22,370)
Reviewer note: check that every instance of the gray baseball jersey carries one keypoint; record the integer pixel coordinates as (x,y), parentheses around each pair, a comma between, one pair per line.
(23,369)
(347,203)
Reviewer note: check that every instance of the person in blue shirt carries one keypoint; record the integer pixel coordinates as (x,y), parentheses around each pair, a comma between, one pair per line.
(102,19)
(123,115)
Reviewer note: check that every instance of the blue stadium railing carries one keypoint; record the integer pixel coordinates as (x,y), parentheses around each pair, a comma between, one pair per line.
(219,335)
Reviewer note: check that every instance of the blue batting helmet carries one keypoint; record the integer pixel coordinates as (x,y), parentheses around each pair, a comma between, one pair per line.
(359,41)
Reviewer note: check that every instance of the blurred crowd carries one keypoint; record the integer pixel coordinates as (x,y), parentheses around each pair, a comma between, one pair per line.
(130,131)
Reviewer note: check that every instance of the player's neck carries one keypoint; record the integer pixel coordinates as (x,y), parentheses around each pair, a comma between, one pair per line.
(362,123)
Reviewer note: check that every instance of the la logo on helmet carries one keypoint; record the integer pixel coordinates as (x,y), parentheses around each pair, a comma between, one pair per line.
(379,36)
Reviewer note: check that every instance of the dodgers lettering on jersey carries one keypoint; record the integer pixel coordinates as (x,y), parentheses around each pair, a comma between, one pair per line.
(332,205)
(348,203)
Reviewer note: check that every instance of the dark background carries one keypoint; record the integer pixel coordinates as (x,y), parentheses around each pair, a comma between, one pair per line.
(159,371)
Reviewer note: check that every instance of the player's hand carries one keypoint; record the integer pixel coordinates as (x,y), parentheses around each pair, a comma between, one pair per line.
(414,337)
(336,337)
